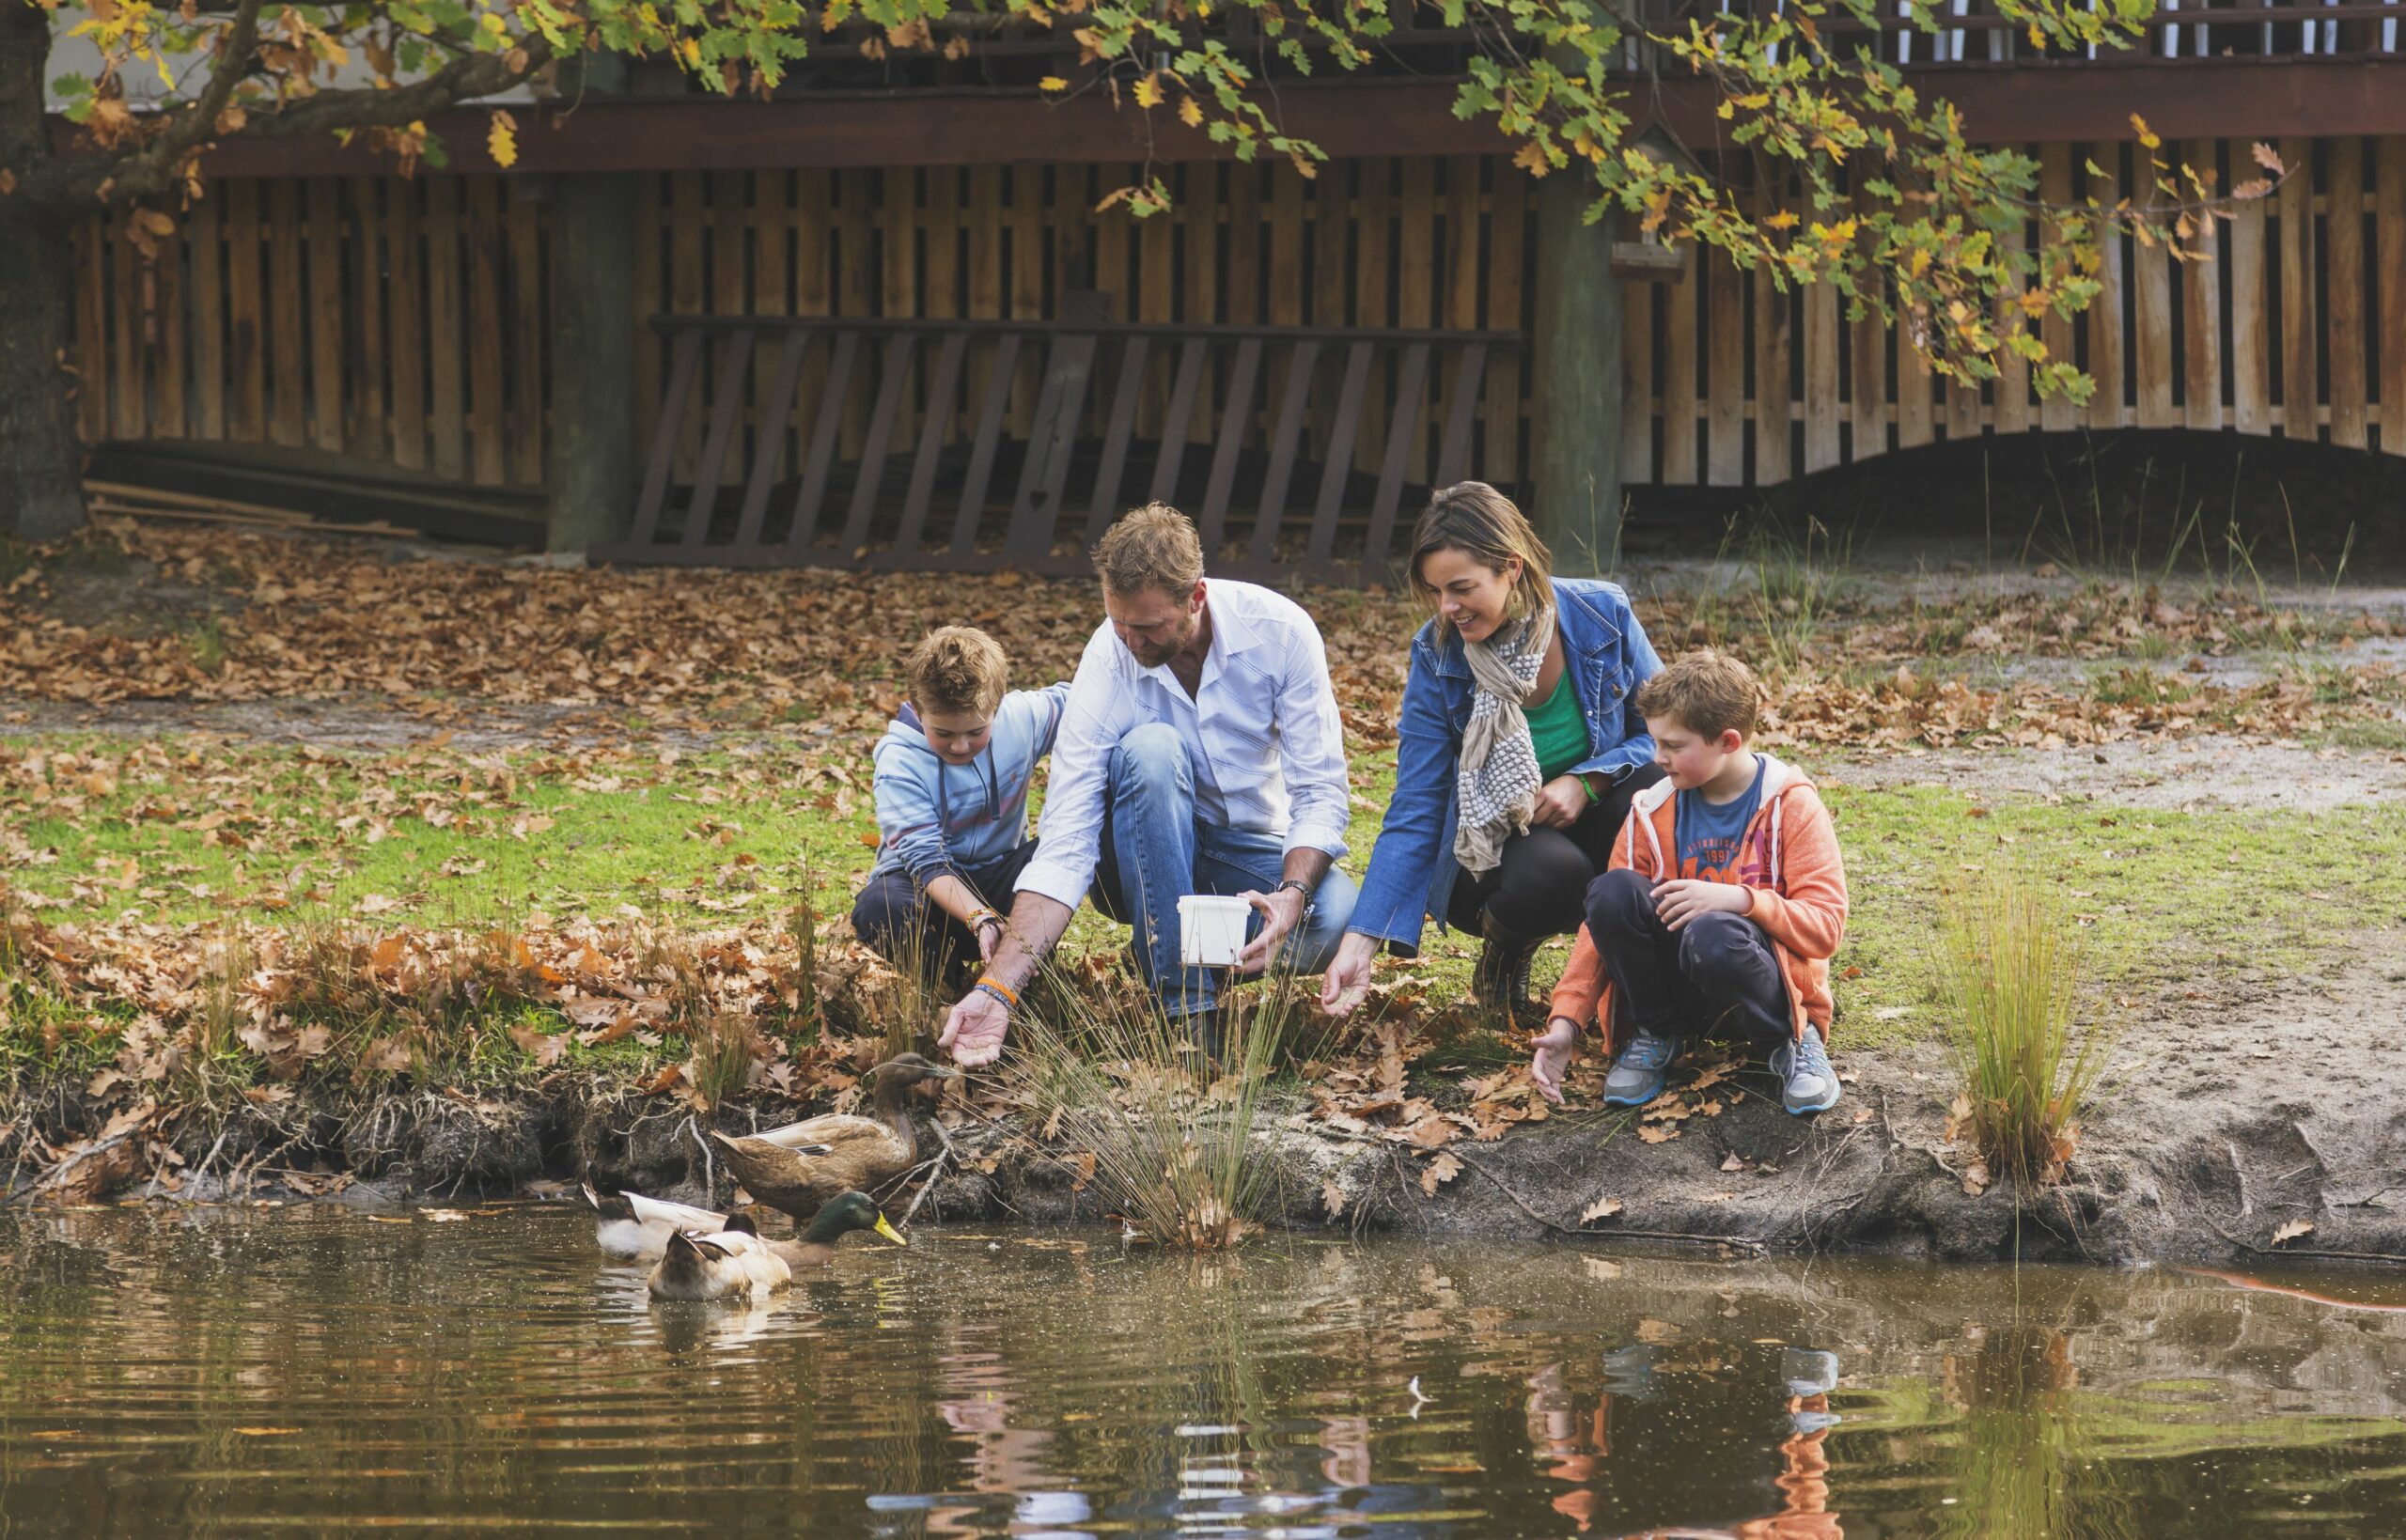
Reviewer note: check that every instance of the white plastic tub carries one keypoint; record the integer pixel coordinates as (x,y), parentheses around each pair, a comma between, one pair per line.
(1211,929)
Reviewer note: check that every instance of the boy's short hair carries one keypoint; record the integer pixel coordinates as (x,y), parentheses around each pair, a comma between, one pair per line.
(1155,547)
(1708,693)
(956,670)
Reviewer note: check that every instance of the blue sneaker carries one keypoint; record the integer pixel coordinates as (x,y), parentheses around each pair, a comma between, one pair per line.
(1638,1073)
(1806,1082)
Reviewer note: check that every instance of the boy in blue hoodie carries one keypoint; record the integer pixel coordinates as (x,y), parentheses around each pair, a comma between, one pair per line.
(952,779)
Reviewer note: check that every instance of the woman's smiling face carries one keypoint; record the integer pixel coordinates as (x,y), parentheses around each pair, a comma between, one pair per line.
(1471,595)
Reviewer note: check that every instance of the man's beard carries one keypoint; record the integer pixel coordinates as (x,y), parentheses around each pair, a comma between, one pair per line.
(1158,656)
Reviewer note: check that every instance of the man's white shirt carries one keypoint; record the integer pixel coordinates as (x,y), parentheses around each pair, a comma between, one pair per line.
(1262,733)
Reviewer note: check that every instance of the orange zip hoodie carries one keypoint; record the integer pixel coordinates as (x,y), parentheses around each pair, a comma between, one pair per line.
(1790,858)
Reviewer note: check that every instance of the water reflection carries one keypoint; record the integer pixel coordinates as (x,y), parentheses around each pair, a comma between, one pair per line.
(213,1372)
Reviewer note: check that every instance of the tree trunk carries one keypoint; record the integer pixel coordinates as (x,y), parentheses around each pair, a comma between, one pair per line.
(41,492)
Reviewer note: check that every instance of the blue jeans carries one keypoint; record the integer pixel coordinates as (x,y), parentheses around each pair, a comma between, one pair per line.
(1155,852)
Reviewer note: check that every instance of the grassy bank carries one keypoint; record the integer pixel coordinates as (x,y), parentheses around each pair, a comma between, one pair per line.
(177,842)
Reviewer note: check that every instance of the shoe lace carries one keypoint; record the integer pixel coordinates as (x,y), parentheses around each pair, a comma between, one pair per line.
(1648,1053)
(1811,1057)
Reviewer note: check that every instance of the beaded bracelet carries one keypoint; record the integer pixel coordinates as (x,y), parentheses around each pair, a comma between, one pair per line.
(978,920)
(1000,992)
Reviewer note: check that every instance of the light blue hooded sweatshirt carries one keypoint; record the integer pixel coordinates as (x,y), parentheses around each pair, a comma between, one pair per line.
(935,820)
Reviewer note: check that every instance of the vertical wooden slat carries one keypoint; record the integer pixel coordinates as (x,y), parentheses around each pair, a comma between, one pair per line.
(327,315)
(1773,307)
(1198,218)
(981,454)
(2250,306)
(2107,407)
(446,421)
(1913,404)
(1822,405)
(2057,414)
(1155,301)
(1416,278)
(1071,230)
(1244,300)
(1028,219)
(688,285)
(1963,408)
(1192,357)
(941,248)
(2298,328)
(857,190)
(2389,256)
(898,271)
(1236,416)
(1411,386)
(1637,404)
(1725,340)
(730,239)
(367,430)
(1507,228)
(826,435)
(891,383)
(1338,466)
(1105,506)
(1678,373)
(726,422)
(814,263)
(129,396)
(91,331)
(488,408)
(944,384)
(772,281)
(1036,507)
(1293,397)
(650,236)
(287,309)
(405,301)
(2345,302)
(246,340)
(530,318)
(768,449)
(1461,275)
(169,416)
(2201,307)
(207,307)
(676,404)
(1453,450)
(1373,295)
(1329,265)
(2151,315)
(1868,342)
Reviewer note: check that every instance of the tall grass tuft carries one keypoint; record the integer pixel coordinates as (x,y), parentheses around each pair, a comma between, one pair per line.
(2010,971)
(1109,1073)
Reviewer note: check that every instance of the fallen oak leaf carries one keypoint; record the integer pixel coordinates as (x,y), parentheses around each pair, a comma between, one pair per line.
(1441,1169)
(2291,1230)
(1603,1209)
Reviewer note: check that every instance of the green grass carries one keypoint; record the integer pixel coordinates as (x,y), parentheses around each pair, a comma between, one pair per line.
(431,837)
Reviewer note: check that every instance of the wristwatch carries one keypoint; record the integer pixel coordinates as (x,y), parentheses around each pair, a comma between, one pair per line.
(1300,886)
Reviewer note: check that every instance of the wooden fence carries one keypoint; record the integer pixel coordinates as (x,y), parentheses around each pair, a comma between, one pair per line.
(392,321)
(1382,244)
(2297,328)
(405,323)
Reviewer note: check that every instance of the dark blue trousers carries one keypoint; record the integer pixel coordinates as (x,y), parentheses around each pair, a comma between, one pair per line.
(894,918)
(1718,977)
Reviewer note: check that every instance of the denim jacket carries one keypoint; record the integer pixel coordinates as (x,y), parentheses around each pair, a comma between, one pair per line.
(1605,654)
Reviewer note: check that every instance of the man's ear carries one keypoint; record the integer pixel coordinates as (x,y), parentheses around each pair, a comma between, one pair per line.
(1194,600)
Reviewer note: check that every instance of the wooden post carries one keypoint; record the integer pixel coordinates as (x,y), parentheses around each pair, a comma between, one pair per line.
(592,457)
(1576,385)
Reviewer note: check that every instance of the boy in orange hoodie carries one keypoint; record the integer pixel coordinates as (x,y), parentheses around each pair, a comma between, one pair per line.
(1724,902)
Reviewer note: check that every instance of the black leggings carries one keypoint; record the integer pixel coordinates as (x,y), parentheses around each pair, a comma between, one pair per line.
(1540,887)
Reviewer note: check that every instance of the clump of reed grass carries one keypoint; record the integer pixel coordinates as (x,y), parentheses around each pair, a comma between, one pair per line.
(1110,1073)
(2010,967)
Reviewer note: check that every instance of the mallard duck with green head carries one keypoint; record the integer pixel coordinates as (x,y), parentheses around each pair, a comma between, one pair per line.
(736,1263)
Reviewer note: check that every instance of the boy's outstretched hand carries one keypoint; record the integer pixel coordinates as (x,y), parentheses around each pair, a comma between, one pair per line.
(1683,899)
(1553,1056)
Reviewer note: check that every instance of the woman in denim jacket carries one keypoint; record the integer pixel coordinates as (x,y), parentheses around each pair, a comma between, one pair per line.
(1518,749)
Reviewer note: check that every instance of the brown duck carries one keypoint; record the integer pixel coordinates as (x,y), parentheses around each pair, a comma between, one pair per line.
(860,1153)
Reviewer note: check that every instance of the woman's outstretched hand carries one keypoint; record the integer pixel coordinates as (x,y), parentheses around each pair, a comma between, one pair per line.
(1348,978)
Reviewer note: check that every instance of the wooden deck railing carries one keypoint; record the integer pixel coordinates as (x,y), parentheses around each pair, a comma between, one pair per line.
(900,457)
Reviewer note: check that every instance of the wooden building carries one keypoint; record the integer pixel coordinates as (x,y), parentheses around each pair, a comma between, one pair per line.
(877,320)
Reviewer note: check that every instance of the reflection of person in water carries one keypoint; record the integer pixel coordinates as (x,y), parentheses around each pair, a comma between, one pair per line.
(1581,1449)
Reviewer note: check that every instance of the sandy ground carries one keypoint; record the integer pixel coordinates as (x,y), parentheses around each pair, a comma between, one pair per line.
(2206,771)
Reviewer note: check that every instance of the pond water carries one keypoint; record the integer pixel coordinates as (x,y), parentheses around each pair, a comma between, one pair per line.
(320,1370)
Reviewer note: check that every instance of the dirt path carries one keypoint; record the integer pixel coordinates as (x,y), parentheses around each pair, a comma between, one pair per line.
(2178,774)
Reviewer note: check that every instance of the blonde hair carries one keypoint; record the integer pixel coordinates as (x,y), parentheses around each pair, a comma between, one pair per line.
(1482,523)
(1708,693)
(956,670)
(1155,547)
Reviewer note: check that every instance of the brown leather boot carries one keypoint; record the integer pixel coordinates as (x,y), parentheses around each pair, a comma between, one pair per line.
(1501,980)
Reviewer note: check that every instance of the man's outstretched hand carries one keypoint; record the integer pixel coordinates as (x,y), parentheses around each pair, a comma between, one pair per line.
(974,1029)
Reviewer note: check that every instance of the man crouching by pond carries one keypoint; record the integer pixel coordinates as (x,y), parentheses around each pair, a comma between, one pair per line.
(1200,751)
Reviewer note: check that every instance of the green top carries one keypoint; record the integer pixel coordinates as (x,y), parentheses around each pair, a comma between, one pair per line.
(1557,730)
